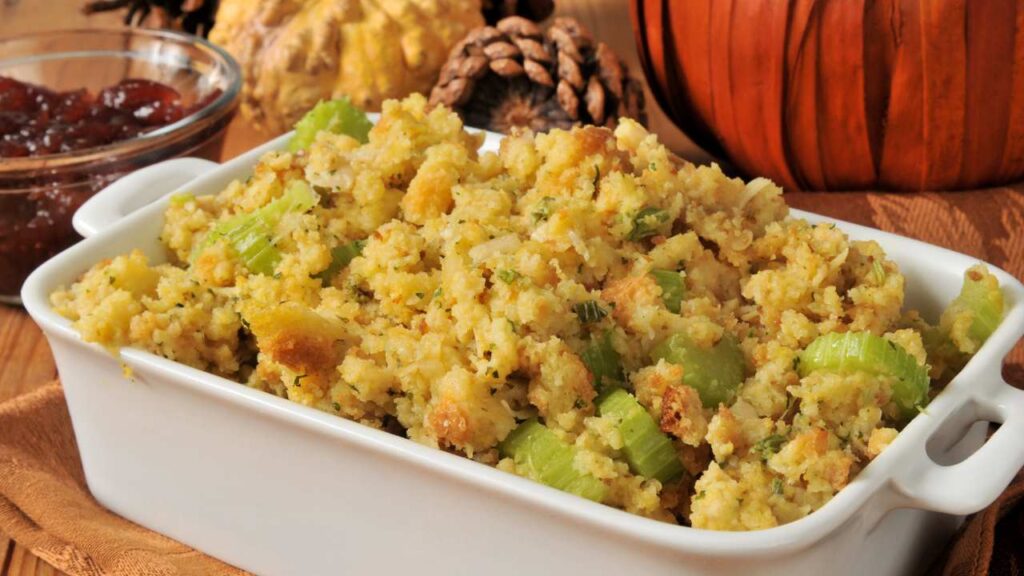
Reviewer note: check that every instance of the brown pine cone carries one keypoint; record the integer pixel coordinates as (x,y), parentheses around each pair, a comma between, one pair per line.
(193,16)
(516,74)
(536,10)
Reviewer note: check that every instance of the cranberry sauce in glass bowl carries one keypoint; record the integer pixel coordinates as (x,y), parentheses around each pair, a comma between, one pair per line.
(81,108)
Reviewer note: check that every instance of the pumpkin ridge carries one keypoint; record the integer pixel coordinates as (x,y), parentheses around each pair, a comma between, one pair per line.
(740,154)
(1013,153)
(805,167)
(902,148)
(881,40)
(846,156)
(989,43)
(697,121)
(796,51)
(944,60)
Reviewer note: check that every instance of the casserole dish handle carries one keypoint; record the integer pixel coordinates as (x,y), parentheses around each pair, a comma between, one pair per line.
(135,191)
(974,483)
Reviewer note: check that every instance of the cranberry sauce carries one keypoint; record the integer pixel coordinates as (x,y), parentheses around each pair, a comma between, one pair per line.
(36,121)
(36,208)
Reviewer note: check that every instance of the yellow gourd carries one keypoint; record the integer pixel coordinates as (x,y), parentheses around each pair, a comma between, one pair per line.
(296,52)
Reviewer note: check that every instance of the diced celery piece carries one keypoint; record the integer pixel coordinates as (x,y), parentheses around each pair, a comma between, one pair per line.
(181,199)
(251,235)
(339,116)
(648,450)
(715,373)
(981,295)
(298,197)
(548,459)
(251,239)
(864,352)
(603,361)
(341,256)
(672,288)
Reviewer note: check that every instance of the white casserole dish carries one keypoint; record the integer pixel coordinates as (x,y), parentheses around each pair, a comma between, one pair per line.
(279,488)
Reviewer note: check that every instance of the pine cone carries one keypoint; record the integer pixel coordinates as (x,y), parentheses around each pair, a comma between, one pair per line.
(192,16)
(515,74)
(536,10)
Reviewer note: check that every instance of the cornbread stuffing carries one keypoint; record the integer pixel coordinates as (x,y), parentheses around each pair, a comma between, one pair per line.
(682,347)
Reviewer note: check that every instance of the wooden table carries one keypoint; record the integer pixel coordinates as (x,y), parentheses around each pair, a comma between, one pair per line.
(25,359)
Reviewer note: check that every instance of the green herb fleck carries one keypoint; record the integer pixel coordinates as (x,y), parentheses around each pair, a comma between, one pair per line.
(589,311)
(769,445)
(543,211)
(509,276)
(337,407)
(672,288)
(341,256)
(603,361)
(777,486)
(647,222)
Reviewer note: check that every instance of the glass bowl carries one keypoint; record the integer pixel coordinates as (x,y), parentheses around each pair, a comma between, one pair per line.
(38,195)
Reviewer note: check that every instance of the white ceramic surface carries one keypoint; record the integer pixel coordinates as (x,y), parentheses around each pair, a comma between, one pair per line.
(279,489)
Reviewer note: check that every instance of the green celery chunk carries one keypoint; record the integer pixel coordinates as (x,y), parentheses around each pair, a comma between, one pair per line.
(251,239)
(864,352)
(181,199)
(981,295)
(715,373)
(672,288)
(252,235)
(648,450)
(341,256)
(298,197)
(339,116)
(548,459)
(603,361)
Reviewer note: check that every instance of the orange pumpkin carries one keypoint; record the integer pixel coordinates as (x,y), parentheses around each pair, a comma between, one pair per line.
(844,94)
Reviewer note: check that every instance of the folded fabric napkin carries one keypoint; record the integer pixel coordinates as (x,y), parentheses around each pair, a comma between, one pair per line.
(46,507)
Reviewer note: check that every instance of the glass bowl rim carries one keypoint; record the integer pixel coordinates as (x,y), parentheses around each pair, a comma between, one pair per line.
(224,104)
